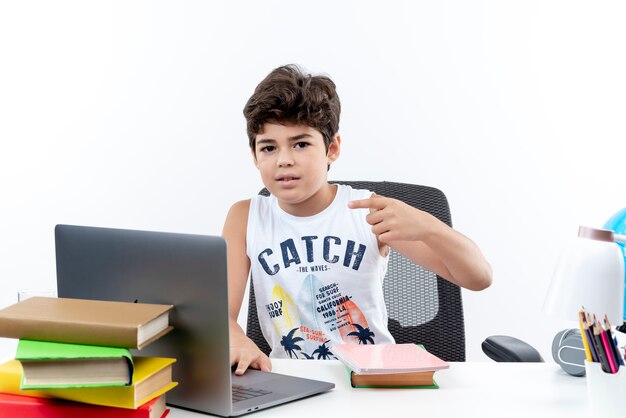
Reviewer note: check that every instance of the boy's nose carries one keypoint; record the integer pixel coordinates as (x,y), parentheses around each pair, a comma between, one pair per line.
(285,159)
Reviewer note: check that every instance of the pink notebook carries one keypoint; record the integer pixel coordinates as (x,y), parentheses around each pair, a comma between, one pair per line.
(388,358)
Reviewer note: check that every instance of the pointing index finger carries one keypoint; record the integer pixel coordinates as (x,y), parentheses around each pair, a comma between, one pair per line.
(371,203)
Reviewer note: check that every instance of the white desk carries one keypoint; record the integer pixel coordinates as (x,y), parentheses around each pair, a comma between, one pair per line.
(485,390)
(502,390)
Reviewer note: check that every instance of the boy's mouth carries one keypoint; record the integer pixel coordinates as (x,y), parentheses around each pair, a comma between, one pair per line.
(287,178)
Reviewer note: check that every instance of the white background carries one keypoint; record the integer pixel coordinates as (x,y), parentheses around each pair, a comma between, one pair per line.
(129,114)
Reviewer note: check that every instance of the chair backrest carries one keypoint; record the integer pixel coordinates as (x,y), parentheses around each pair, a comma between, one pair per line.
(423,308)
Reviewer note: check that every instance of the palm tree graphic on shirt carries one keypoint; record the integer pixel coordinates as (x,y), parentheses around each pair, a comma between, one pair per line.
(323,352)
(363,334)
(289,343)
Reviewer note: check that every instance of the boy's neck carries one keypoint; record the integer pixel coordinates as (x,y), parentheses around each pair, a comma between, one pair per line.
(314,204)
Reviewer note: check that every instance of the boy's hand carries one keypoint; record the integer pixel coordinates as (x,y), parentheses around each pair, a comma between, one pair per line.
(245,353)
(426,241)
(393,220)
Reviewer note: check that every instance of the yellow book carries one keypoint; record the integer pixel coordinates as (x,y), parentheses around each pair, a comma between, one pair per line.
(152,378)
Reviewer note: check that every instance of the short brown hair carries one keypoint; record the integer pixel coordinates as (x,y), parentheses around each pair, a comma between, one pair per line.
(288,94)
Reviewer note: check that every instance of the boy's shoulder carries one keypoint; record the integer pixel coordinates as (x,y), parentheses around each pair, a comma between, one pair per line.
(239,209)
(241,204)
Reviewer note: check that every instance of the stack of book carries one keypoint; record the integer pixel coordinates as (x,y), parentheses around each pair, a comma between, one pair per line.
(390,366)
(73,359)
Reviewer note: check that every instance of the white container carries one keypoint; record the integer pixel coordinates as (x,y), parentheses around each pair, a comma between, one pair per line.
(606,391)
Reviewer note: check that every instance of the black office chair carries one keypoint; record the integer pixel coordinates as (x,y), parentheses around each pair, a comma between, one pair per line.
(423,308)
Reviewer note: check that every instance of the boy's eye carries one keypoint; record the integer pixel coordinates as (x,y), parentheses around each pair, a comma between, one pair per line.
(301,144)
(267,148)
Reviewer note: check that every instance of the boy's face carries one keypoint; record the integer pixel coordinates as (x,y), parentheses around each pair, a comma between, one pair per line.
(293,161)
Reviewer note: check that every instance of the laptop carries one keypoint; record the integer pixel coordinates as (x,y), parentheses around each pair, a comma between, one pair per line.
(189,272)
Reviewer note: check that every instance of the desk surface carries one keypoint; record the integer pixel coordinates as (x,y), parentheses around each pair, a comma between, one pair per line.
(530,390)
(471,389)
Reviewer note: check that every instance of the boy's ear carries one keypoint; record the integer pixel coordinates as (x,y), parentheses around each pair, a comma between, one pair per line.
(334,149)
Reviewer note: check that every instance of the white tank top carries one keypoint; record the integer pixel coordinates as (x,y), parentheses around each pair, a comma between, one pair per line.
(318,279)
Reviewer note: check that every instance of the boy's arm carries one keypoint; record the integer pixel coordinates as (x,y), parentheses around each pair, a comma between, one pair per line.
(243,351)
(427,241)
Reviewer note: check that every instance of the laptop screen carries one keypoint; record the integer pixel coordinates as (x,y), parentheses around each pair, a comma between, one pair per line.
(187,271)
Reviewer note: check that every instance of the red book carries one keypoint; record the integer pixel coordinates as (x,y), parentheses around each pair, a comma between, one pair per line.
(12,406)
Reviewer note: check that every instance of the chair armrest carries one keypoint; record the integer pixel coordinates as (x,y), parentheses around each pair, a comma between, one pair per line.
(503,348)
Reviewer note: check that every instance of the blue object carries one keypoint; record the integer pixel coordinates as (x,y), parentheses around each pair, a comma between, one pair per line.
(617,224)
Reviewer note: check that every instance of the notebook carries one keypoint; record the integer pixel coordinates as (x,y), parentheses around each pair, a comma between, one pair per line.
(189,272)
(388,358)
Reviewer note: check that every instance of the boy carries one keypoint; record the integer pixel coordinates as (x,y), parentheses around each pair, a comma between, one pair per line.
(318,252)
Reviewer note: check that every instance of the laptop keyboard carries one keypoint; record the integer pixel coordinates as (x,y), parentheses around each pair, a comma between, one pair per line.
(241,393)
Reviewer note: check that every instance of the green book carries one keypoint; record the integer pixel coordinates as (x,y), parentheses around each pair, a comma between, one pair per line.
(50,365)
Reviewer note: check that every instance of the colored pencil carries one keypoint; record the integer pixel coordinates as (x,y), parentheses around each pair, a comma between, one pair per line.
(607,349)
(588,333)
(613,343)
(581,316)
(604,361)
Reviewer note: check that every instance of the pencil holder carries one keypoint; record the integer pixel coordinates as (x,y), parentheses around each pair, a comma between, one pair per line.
(606,391)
